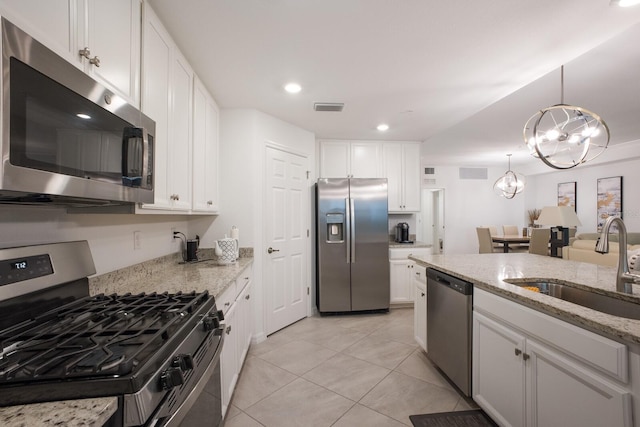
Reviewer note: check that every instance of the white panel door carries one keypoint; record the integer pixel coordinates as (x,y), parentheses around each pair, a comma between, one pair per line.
(229,358)
(498,371)
(286,214)
(205,150)
(562,392)
(180,126)
(51,22)
(156,100)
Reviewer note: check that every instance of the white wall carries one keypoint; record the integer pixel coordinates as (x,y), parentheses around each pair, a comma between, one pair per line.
(542,191)
(244,133)
(110,236)
(471,203)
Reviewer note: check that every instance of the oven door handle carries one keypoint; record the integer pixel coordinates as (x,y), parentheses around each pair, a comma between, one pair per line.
(176,418)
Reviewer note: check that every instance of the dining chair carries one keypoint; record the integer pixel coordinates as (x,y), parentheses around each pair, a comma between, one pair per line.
(493,230)
(539,242)
(510,230)
(485,245)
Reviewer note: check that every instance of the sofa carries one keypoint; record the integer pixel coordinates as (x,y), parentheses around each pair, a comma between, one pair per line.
(582,248)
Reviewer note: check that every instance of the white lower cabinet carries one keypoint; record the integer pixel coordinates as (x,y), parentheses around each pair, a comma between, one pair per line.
(237,305)
(420,306)
(228,359)
(520,380)
(401,272)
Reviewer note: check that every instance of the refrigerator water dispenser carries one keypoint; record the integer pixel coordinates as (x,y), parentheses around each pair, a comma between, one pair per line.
(335,228)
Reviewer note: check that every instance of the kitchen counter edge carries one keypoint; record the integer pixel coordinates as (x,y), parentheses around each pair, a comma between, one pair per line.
(489,272)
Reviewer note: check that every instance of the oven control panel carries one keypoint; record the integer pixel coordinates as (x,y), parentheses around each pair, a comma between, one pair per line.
(26,268)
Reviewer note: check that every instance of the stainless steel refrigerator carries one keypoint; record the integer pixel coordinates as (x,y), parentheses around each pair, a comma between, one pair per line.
(352,244)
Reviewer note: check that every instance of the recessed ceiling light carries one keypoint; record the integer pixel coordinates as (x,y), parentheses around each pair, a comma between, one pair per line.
(293,87)
(83,116)
(624,3)
(382,127)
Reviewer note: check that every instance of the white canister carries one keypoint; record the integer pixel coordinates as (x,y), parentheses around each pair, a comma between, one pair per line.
(226,250)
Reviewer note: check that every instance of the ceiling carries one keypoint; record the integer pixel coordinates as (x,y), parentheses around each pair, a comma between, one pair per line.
(463,76)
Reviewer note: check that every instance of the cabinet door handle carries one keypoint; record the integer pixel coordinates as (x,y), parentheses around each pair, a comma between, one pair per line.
(518,352)
(525,356)
(422,293)
(209,202)
(228,330)
(227,304)
(86,53)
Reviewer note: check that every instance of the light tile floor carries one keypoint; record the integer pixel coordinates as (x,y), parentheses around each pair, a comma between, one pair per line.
(342,371)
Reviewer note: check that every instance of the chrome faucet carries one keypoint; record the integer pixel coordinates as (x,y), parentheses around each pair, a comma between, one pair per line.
(624,278)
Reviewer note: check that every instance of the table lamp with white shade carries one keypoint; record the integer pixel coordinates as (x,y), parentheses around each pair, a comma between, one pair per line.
(558,218)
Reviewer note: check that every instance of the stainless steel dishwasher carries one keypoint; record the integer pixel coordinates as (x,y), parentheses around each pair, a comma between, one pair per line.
(449,305)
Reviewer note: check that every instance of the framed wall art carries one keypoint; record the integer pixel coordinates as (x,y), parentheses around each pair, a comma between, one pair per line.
(567,194)
(609,199)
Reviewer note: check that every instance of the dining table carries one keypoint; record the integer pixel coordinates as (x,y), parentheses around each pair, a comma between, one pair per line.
(510,240)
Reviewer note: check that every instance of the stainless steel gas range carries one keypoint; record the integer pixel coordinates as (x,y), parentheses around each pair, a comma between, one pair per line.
(154,352)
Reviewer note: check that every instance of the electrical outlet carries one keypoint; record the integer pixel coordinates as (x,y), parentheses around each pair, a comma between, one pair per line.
(137,240)
(173,236)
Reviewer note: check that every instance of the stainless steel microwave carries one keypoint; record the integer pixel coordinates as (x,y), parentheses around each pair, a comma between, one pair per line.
(66,138)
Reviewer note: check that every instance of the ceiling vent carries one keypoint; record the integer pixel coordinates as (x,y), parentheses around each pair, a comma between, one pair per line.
(328,106)
(473,173)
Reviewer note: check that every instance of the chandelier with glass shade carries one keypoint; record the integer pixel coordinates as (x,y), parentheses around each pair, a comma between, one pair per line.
(565,136)
(509,184)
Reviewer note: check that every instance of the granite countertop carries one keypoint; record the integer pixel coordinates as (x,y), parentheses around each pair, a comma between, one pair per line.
(415,244)
(168,275)
(68,413)
(489,272)
(165,274)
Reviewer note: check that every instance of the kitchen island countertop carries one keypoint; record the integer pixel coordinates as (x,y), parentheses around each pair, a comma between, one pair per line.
(164,274)
(489,272)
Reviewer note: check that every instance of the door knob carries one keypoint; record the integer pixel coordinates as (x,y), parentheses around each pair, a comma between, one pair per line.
(271,250)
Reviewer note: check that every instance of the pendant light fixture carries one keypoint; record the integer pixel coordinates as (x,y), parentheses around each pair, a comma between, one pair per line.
(509,184)
(564,136)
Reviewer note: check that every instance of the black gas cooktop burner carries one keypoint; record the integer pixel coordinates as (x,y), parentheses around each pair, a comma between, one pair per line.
(124,338)
(102,335)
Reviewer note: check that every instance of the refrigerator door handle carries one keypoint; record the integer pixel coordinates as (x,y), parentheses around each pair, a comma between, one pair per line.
(348,228)
(352,238)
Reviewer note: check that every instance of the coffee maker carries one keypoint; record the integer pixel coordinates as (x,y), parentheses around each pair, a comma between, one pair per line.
(402,233)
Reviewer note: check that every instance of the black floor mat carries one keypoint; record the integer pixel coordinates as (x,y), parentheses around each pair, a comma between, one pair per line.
(473,418)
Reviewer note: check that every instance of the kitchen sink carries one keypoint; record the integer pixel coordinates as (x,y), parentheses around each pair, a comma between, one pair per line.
(603,303)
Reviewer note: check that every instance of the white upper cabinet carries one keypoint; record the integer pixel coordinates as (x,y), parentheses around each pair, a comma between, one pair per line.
(156,83)
(108,29)
(205,150)
(401,167)
(399,162)
(112,35)
(186,116)
(180,124)
(353,159)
